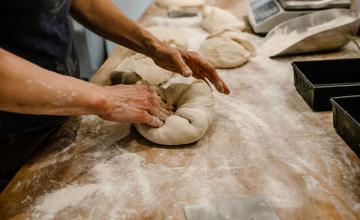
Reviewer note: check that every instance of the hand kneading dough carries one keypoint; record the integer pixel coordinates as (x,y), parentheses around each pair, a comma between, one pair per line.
(170,36)
(194,115)
(227,49)
(145,68)
(215,18)
(179,3)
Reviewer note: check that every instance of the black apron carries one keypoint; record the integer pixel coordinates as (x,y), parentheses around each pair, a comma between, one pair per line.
(38,31)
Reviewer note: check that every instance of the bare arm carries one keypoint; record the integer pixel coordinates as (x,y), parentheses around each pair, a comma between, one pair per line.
(103,17)
(28,88)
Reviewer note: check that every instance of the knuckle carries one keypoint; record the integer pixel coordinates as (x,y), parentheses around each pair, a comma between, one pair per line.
(174,54)
(141,116)
(147,94)
(193,54)
(147,103)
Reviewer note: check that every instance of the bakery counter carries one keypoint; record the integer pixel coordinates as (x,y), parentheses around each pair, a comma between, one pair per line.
(264,141)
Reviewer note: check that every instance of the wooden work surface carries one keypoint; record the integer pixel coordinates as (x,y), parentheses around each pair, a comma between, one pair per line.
(265,141)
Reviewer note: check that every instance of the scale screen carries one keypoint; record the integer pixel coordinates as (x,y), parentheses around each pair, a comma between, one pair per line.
(263,9)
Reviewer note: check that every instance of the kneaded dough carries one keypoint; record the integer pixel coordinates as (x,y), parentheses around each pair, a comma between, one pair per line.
(170,36)
(192,118)
(227,49)
(179,3)
(215,18)
(125,78)
(145,68)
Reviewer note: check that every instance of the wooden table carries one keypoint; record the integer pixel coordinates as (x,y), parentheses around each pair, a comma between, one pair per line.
(265,141)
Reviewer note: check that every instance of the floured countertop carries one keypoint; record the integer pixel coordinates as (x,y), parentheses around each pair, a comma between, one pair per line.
(265,141)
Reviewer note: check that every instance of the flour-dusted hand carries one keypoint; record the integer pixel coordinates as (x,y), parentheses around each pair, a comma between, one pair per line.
(202,69)
(170,58)
(188,63)
(134,104)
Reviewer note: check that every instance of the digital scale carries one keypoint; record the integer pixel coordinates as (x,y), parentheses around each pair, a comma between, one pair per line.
(264,15)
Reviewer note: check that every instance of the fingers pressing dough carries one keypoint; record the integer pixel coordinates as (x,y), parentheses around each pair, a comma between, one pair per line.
(194,104)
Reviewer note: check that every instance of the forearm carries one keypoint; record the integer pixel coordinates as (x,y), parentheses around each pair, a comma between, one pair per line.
(28,88)
(105,19)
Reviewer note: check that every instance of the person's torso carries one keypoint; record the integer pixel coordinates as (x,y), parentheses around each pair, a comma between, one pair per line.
(38,31)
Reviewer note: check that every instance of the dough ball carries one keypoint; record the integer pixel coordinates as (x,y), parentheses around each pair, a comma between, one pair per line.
(179,3)
(145,68)
(227,49)
(194,104)
(215,18)
(170,36)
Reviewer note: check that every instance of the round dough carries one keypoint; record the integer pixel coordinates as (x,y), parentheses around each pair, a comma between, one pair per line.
(227,49)
(189,123)
(145,68)
(179,3)
(170,36)
(215,18)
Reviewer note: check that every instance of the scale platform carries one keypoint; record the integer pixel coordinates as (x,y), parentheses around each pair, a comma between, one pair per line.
(264,15)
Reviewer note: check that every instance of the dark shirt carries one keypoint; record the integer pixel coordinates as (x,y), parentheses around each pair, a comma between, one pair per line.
(38,31)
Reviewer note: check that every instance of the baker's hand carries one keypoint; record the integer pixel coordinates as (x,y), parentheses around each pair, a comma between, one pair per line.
(188,63)
(133,104)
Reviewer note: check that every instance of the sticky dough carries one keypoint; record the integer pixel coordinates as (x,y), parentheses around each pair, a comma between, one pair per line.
(215,18)
(145,68)
(227,48)
(179,3)
(191,120)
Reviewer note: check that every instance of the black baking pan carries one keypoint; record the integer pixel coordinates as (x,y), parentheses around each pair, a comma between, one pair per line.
(346,120)
(318,81)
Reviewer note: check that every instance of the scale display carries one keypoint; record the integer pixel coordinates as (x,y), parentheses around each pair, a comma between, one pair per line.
(264,15)
(263,9)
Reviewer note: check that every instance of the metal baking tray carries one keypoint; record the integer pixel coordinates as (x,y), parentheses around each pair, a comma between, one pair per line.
(318,81)
(346,120)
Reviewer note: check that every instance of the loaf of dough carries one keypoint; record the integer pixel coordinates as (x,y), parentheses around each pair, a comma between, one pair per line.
(227,48)
(215,18)
(170,36)
(145,68)
(194,105)
(179,3)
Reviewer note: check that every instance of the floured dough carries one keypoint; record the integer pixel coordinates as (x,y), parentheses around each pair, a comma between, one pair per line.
(145,68)
(179,3)
(192,118)
(170,36)
(126,78)
(215,18)
(227,49)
